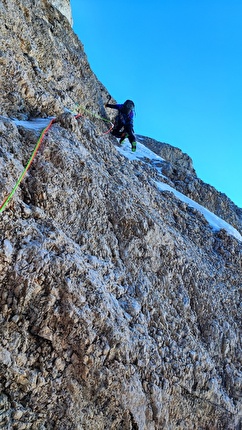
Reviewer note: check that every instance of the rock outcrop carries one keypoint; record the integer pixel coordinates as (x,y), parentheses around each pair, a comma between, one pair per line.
(179,168)
(120,305)
(43,67)
(64,7)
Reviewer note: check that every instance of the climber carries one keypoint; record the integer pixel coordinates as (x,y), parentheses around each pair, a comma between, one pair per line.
(123,126)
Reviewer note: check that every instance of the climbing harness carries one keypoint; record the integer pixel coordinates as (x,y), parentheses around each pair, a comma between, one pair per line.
(42,135)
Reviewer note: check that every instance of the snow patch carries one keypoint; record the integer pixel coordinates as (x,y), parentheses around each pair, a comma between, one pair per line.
(33,124)
(214,221)
(143,152)
(8,248)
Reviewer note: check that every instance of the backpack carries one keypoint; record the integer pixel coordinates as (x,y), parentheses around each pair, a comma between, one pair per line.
(127,107)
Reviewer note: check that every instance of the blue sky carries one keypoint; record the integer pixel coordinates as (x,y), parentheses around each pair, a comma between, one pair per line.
(181,63)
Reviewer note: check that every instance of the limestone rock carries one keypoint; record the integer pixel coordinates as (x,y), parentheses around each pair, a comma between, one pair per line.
(179,168)
(120,306)
(43,68)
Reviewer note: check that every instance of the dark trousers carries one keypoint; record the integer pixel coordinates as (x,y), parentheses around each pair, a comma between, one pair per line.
(120,128)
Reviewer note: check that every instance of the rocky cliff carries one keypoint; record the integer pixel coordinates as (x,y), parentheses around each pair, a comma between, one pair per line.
(120,302)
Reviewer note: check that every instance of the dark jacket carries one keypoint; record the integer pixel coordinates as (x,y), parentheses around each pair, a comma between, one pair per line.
(125,118)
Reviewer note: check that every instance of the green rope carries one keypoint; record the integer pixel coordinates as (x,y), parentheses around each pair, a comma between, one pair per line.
(8,198)
(78,107)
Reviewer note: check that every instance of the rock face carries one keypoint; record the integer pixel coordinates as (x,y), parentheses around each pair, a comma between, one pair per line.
(42,67)
(120,306)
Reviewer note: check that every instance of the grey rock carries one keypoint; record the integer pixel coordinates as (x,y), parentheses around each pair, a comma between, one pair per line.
(120,306)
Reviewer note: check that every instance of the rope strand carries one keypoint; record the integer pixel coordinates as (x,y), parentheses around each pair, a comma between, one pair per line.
(8,198)
(39,141)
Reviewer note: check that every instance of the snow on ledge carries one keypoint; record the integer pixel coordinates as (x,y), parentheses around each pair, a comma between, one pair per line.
(214,221)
